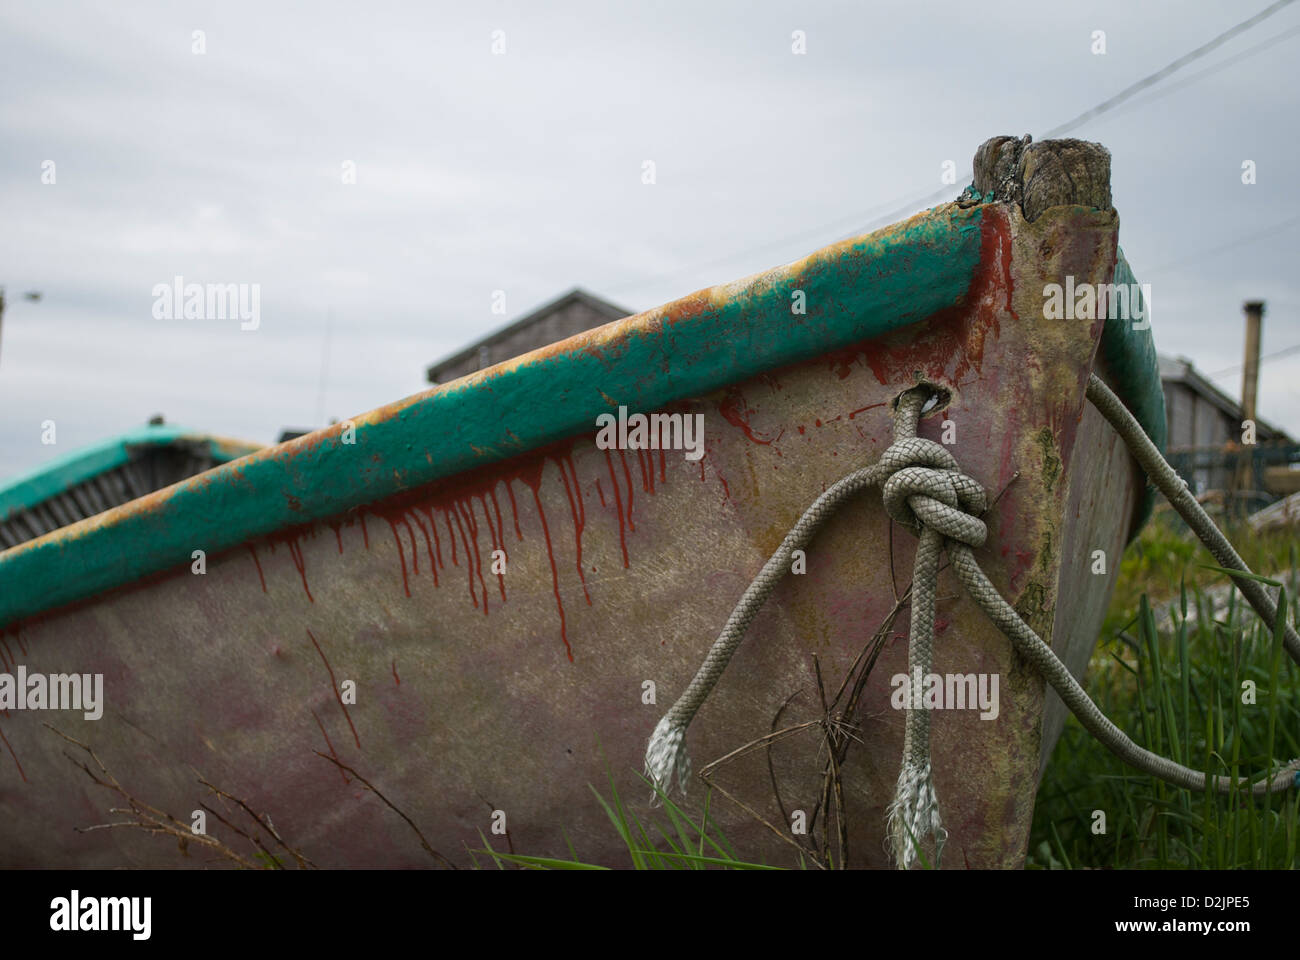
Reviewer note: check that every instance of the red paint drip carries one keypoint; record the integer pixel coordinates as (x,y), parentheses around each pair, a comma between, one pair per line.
(492,535)
(735,411)
(415,553)
(341,771)
(861,410)
(1004,242)
(401,555)
(460,517)
(338,534)
(496,508)
(335,687)
(646,484)
(428,545)
(253,551)
(437,541)
(469,567)
(514,509)
(579,517)
(451,535)
(295,552)
(365,534)
(618,505)
(627,475)
(466,509)
(12,754)
(534,483)
(396,679)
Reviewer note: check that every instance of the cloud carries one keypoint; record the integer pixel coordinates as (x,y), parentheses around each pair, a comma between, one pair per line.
(521,172)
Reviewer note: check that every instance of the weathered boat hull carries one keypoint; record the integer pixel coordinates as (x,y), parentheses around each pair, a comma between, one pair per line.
(478,691)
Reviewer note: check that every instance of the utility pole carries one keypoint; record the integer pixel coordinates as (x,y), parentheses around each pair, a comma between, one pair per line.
(1250,390)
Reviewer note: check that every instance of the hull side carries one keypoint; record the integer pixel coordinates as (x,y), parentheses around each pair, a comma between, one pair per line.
(478,692)
(1107,487)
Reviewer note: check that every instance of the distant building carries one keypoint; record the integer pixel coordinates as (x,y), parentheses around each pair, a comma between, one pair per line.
(575,312)
(1205,426)
(1199,414)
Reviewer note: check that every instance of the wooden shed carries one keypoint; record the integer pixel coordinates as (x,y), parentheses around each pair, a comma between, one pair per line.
(575,312)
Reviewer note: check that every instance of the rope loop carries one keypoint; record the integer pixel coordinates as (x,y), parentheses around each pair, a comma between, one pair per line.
(946,501)
(924,486)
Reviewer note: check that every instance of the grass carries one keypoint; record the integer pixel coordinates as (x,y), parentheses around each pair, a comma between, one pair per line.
(681,844)
(1211,690)
(1166,556)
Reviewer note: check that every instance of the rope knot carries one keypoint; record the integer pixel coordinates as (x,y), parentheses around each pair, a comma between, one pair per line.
(926,488)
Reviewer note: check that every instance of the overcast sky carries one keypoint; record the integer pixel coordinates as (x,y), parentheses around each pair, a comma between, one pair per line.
(522,172)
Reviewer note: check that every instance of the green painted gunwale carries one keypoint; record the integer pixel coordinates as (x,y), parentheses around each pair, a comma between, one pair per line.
(1129,355)
(855,290)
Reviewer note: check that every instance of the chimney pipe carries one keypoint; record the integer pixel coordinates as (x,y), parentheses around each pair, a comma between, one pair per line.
(1245,479)
(1250,373)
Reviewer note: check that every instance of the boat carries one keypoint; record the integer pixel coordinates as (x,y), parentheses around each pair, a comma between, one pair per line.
(107,474)
(439,625)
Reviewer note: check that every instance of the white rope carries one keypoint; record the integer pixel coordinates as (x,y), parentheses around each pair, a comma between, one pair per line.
(1174,489)
(924,490)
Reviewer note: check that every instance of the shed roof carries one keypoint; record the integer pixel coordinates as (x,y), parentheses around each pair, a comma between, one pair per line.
(1180,370)
(576,295)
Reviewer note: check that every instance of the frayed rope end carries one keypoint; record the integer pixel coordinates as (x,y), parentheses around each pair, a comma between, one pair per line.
(666,754)
(914,815)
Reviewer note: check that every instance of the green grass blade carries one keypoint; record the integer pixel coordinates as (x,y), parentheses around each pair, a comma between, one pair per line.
(1241,575)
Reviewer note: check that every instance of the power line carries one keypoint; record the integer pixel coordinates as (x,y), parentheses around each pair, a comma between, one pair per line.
(912,205)
(1268,356)
(773,245)
(1240,241)
(1208,71)
(1169,68)
(1134,88)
